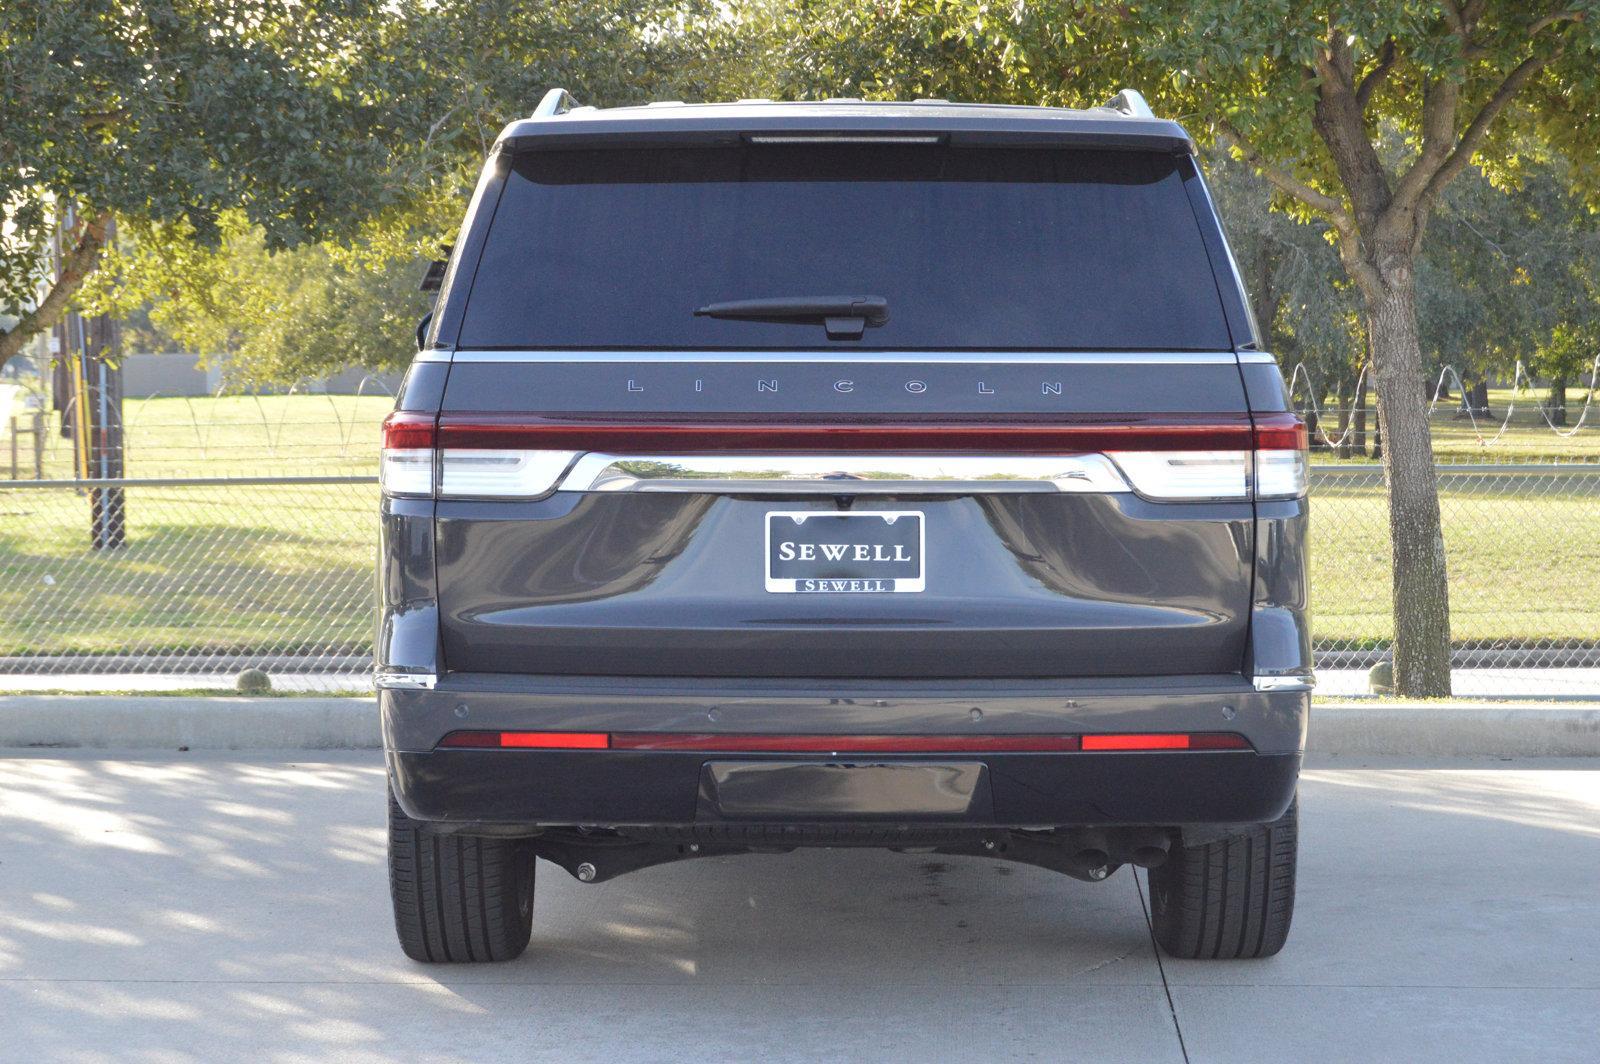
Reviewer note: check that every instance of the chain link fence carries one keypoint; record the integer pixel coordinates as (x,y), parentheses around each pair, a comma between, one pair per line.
(268,561)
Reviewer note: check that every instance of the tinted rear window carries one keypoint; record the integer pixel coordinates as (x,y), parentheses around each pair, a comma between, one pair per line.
(972,248)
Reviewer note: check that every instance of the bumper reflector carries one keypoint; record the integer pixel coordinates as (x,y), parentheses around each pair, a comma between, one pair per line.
(526,740)
(838,744)
(1170,741)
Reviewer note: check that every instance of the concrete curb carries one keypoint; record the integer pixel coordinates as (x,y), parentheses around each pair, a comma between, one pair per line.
(1475,729)
(135,723)
(1483,729)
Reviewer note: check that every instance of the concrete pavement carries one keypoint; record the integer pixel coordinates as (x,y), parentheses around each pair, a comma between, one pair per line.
(200,907)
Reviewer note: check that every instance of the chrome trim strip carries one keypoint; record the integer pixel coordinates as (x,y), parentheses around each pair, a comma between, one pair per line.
(1252,357)
(977,358)
(1283,683)
(852,474)
(390,679)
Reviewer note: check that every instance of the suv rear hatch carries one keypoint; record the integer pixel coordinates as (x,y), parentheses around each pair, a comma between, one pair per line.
(1040,464)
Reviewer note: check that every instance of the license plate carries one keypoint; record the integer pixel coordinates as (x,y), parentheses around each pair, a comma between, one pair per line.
(815,552)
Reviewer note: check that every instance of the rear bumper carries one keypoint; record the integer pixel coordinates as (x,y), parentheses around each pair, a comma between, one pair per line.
(612,788)
(629,788)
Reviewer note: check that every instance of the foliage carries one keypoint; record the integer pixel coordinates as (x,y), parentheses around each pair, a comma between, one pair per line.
(277,317)
(353,122)
(173,113)
(1513,274)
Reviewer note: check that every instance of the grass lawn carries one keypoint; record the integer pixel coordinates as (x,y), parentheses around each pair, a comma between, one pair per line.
(270,435)
(268,570)
(288,569)
(1522,566)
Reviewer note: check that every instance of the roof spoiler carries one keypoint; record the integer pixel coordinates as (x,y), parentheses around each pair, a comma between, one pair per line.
(1129,102)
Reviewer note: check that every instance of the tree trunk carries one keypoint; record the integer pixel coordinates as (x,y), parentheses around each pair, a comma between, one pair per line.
(1421,588)
(77,263)
(1358,439)
(1558,401)
(1377,435)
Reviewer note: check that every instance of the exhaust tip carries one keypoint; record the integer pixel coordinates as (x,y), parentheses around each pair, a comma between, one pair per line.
(1150,856)
(1092,858)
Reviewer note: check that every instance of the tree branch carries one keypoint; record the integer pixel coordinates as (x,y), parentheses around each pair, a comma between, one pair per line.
(1542,24)
(1375,76)
(76,266)
(1440,98)
(1478,128)
(1282,179)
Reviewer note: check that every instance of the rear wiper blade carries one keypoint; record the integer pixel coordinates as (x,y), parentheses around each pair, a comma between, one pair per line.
(845,317)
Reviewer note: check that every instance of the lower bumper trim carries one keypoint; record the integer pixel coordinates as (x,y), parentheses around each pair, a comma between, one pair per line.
(535,789)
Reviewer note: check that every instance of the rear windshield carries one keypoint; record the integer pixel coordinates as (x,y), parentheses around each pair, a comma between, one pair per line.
(971,247)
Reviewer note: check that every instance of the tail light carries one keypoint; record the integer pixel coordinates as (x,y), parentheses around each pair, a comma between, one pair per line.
(1282,460)
(415,465)
(1168,458)
(1272,466)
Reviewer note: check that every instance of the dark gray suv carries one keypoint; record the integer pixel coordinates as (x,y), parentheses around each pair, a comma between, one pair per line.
(842,474)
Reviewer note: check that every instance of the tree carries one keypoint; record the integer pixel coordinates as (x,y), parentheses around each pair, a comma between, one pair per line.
(1308,315)
(1306,94)
(458,71)
(173,112)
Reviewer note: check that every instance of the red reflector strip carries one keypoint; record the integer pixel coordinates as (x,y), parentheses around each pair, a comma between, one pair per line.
(1171,741)
(527,740)
(1136,742)
(1155,432)
(830,744)
(1218,740)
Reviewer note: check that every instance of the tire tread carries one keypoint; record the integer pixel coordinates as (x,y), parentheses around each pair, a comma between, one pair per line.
(1228,899)
(458,898)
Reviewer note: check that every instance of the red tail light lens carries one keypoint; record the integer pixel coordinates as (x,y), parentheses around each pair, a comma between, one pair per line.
(1015,435)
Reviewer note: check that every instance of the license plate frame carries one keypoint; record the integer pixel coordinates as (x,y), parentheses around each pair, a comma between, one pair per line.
(835,575)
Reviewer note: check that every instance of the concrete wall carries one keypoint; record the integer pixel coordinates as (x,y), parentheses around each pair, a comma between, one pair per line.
(144,376)
(147,375)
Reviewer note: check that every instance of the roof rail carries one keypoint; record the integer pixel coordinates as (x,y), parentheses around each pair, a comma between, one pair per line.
(1131,103)
(555,102)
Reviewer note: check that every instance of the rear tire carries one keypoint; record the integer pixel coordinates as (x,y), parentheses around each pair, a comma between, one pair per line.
(458,898)
(1229,899)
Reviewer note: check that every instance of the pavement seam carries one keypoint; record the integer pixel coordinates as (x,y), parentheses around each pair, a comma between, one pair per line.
(1155,949)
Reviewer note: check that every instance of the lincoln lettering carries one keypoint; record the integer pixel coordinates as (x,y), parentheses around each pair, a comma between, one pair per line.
(837,552)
